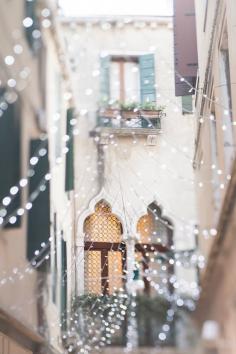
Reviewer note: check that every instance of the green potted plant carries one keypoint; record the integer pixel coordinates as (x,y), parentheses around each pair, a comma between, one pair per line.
(151,115)
(151,110)
(109,109)
(129,110)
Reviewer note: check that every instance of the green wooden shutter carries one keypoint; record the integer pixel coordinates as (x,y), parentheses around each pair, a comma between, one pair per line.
(187,104)
(58,110)
(147,78)
(136,274)
(69,176)
(105,78)
(63,285)
(10,156)
(54,260)
(38,228)
(30,11)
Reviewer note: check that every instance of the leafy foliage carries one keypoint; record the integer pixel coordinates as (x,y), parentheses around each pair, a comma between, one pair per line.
(151,315)
(103,319)
(151,106)
(131,106)
(100,319)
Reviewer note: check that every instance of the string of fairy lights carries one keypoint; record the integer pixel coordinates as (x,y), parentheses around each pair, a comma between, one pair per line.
(121,303)
(37,294)
(23,182)
(152,49)
(161,337)
(75,258)
(221,186)
(6,201)
(43,245)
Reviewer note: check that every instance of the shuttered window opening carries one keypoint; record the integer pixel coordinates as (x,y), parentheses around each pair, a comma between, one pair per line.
(54,260)
(187,104)
(143,64)
(38,226)
(10,159)
(58,109)
(63,285)
(124,80)
(69,173)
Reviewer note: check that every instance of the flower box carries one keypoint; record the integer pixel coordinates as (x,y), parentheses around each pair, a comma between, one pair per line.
(109,112)
(129,114)
(151,113)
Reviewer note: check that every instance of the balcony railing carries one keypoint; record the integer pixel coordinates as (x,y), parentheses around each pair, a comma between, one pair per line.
(127,121)
(154,123)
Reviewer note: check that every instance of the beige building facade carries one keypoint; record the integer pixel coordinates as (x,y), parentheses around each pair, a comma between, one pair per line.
(36,146)
(214,162)
(129,168)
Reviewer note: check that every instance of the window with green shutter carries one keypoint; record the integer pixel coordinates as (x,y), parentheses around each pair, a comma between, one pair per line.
(105,78)
(63,284)
(54,260)
(38,228)
(57,114)
(10,156)
(145,70)
(187,104)
(69,175)
(147,78)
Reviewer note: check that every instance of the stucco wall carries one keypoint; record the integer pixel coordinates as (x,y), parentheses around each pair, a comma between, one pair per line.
(211,22)
(135,174)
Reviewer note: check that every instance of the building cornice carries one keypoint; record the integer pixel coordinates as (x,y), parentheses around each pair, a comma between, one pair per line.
(126,19)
